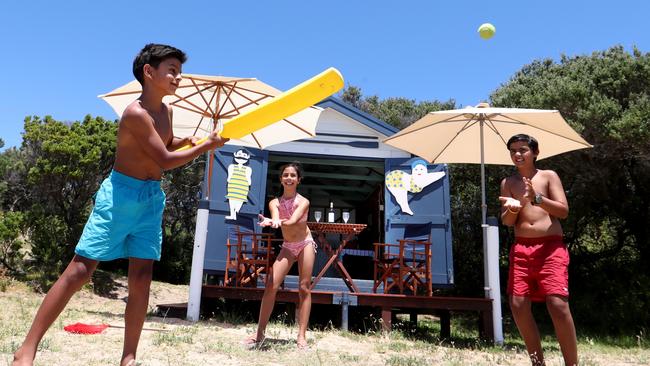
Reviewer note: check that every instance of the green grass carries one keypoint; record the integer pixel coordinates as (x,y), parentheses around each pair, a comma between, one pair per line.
(178,335)
(216,339)
(348,358)
(425,337)
(399,360)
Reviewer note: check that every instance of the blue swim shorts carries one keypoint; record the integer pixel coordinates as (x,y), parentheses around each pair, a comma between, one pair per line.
(126,220)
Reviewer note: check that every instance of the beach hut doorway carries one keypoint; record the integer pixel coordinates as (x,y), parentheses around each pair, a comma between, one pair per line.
(340,190)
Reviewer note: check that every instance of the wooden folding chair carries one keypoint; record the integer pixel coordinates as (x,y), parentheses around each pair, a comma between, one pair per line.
(388,268)
(254,257)
(232,264)
(416,263)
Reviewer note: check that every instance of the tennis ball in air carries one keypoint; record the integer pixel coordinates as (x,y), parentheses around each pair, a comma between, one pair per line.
(486,30)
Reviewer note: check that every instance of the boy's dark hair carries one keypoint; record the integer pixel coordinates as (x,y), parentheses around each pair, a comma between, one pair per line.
(531,141)
(153,54)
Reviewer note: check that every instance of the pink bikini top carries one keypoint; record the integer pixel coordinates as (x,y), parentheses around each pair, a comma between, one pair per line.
(287,206)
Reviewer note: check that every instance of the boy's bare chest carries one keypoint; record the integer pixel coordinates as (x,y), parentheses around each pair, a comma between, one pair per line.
(518,187)
(162,126)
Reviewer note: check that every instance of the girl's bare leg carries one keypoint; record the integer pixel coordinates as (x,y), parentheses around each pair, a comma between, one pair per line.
(305,269)
(278,272)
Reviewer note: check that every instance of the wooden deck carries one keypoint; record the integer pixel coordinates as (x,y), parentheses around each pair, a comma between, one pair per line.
(389,304)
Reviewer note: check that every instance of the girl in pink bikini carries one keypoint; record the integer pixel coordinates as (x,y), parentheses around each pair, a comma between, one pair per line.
(288,212)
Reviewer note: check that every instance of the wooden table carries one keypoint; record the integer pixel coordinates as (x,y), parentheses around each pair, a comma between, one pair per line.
(346,231)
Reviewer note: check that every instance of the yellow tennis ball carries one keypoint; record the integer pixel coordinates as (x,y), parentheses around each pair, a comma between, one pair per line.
(486,30)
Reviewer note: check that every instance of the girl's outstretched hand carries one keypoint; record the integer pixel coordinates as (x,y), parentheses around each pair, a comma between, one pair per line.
(264,221)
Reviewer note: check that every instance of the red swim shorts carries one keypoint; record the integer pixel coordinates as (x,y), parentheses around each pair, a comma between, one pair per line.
(538,268)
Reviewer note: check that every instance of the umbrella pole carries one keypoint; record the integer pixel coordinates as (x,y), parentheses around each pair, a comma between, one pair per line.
(483,204)
(490,234)
(484,226)
(198,253)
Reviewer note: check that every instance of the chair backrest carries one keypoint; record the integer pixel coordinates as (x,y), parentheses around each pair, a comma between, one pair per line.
(414,243)
(416,262)
(386,251)
(418,251)
(254,243)
(406,265)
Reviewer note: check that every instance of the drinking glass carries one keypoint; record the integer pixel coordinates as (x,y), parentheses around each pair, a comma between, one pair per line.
(318,215)
(346,216)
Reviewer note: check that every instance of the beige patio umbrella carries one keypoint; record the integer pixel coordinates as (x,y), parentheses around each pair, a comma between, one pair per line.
(478,135)
(200,104)
(202,101)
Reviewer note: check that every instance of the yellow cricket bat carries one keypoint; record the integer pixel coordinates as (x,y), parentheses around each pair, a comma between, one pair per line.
(282,106)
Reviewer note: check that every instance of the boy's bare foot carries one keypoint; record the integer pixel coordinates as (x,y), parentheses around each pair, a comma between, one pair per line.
(21,362)
(252,342)
(301,343)
(22,358)
(536,360)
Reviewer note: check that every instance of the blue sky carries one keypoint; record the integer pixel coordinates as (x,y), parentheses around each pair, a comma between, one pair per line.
(57,56)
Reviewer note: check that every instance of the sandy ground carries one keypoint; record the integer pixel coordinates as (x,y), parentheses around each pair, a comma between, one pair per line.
(177,342)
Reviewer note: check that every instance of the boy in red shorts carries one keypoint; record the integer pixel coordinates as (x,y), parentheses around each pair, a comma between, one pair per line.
(533,201)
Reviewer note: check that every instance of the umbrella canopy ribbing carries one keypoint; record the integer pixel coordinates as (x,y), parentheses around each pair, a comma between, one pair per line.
(479,135)
(454,136)
(201,101)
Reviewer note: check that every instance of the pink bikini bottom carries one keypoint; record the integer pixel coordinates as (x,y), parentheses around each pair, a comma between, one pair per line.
(296,247)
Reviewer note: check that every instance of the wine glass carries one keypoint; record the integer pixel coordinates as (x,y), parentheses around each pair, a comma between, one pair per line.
(346,216)
(318,214)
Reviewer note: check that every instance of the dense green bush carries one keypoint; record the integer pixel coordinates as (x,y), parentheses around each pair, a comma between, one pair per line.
(12,249)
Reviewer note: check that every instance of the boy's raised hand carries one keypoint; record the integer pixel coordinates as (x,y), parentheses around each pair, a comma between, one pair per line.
(529,191)
(214,141)
(191,140)
(510,203)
